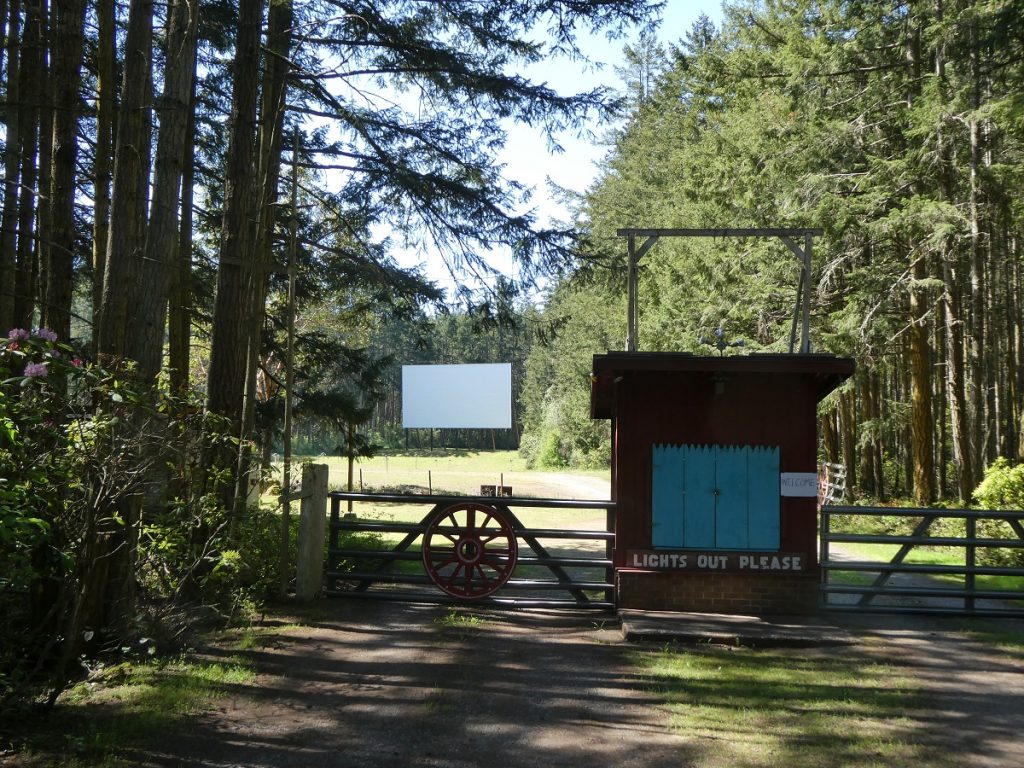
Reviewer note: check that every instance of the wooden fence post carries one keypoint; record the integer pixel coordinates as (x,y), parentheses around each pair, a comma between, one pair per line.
(312,523)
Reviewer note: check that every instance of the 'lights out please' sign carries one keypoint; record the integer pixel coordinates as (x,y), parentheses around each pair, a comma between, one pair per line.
(715,561)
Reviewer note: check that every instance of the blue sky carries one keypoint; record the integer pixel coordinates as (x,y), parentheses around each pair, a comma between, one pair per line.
(526,156)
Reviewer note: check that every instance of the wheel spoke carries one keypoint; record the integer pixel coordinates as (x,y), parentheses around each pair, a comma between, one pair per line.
(483,576)
(454,575)
(439,563)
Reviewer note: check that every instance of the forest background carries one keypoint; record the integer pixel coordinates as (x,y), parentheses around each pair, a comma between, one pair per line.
(167,167)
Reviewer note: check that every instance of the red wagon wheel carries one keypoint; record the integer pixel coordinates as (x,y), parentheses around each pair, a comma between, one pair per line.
(469,550)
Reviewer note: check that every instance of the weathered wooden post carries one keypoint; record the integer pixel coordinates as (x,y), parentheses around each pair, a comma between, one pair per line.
(312,521)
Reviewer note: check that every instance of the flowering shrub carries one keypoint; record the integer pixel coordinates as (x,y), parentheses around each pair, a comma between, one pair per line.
(52,437)
(33,449)
(93,467)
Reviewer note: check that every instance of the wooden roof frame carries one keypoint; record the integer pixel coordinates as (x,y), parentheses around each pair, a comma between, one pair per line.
(790,236)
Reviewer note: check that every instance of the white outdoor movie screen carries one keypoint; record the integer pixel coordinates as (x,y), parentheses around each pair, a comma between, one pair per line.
(457,396)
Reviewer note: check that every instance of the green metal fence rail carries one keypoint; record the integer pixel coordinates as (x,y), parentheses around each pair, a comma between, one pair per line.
(574,579)
(899,586)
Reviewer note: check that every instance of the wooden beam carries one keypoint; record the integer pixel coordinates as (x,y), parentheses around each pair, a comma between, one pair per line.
(796,249)
(728,232)
(312,521)
(805,336)
(642,251)
(803,308)
(631,295)
(785,234)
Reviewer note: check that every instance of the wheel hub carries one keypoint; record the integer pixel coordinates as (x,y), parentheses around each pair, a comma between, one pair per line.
(469,550)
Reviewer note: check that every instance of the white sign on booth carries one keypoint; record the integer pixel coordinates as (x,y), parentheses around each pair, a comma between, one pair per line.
(800,484)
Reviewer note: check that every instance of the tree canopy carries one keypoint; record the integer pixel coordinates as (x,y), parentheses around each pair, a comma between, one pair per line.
(167,166)
(896,127)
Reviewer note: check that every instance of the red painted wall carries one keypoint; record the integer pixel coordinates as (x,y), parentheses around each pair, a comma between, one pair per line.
(753,400)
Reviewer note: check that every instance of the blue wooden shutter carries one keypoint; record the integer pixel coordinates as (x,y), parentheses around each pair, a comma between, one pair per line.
(667,496)
(715,497)
(730,494)
(699,499)
(763,498)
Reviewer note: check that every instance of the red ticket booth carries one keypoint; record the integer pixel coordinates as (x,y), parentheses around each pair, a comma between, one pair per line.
(714,474)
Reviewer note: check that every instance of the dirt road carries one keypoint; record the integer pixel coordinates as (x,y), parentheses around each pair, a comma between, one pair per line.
(365,684)
(974,693)
(384,684)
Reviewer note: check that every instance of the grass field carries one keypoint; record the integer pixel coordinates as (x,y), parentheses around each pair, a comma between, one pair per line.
(444,471)
(462,473)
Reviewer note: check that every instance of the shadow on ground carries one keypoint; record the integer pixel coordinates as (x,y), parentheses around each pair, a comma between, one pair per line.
(386,684)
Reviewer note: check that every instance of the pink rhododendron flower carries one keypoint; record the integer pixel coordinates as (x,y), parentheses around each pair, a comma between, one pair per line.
(36,369)
(18,334)
(46,333)
(14,346)
(77,362)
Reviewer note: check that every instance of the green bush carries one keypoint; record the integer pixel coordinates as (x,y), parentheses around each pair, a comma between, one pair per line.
(1002,488)
(189,545)
(550,456)
(61,453)
(92,463)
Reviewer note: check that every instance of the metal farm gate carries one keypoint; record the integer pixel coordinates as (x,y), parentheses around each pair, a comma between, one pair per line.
(948,561)
(472,548)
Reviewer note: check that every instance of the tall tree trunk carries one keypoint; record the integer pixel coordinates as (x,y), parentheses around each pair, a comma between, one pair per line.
(962,454)
(270,139)
(878,452)
(28,133)
(67,63)
(3,32)
(830,436)
(106,108)
(128,198)
(995,349)
(146,342)
(921,424)
(1013,342)
(939,392)
(179,314)
(975,319)
(12,171)
(952,304)
(848,428)
(867,439)
(238,262)
(124,243)
(44,240)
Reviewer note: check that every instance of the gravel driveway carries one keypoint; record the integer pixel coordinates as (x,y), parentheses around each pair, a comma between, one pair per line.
(365,683)
(388,684)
